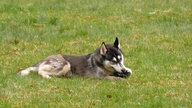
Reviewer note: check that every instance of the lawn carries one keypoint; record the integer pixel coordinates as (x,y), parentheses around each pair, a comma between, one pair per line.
(155,36)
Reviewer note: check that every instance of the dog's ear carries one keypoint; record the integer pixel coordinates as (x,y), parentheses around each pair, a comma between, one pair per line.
(103,49)
(116,43)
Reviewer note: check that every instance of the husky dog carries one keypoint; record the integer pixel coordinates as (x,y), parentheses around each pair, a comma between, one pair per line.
(105,62)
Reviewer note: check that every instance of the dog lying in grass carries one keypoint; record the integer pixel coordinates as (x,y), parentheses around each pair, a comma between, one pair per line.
(105,62)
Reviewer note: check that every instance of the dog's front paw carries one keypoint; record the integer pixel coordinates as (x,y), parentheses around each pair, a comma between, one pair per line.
(46,76)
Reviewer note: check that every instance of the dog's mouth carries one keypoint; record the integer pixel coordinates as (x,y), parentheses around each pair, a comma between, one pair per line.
(122,74)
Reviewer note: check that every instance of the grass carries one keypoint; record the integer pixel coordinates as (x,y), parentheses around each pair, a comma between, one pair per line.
(156,37)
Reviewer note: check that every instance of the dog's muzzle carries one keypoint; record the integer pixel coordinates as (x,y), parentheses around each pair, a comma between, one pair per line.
(124,73)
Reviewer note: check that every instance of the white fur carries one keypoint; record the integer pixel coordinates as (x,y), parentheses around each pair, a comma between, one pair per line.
(118,57)
(114,59)
(26,71)
(122,62)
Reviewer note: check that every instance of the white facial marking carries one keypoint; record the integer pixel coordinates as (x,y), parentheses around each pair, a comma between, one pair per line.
(122,62)
(117,67)
(118,57)
(120,66)
(114,59)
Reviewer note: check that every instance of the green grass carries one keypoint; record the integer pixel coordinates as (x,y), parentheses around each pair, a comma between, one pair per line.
(155,35)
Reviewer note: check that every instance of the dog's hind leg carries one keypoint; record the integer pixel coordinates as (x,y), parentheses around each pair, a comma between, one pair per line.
(44,74)
(26,71)
(54,66)
(45,70)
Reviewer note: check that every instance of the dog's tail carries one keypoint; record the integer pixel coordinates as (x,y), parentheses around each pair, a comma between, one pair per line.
(26,71)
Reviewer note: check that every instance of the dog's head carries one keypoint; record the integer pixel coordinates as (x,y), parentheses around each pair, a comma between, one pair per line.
(113,59)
